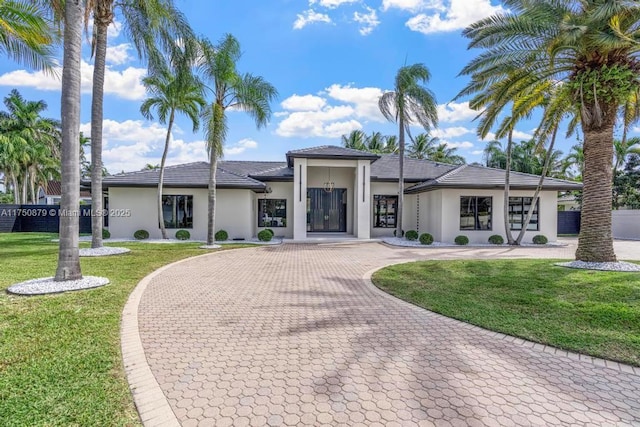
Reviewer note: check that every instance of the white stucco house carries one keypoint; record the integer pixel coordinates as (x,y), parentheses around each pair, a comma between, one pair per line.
(333,190)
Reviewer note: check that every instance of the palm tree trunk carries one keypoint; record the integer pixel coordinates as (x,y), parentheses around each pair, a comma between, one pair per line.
(68,255)
(16,190)
(399,208)
(97,101)
(507,178)
(161,178)
(211,224)
(536,194)
(595,243)
(25,183)
(32,185)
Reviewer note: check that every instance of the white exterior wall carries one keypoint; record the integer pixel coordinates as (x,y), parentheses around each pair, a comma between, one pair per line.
(430,214)
(279,190)
(626,224)
(548,212)
(234,210)
(299,199)
(408,215)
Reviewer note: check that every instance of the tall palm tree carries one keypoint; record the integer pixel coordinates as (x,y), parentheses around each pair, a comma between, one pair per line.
(591,47)
(622,149)
(229,89)
(356,140)
(26,33)
(445,154)
(172,91)
(68,255)
(153,26)
(423,146)
(409,103)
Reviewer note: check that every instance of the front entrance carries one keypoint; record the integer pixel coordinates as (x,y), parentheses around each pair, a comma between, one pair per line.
(326,211)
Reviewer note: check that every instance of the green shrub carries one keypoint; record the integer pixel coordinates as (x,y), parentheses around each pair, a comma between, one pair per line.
(105,233)
(496,239)
(221,236)
(183,235)
(411,235)
(461,240)
(141,235)
(270,231)
(265,235)
(426,239)
(540,239)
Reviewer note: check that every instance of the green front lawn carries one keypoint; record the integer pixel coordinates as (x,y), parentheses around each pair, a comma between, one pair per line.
(60,360)
(596,313)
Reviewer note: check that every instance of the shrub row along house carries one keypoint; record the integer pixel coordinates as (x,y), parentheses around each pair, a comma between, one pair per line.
(333,189)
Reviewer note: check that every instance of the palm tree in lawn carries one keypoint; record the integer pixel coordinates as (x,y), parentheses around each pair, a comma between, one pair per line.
(423,146)
(153,26)
(229,89)
(68,254)
(356,140)
(172,91)
(26,34)
(445,154)
(591,47)
(409,103)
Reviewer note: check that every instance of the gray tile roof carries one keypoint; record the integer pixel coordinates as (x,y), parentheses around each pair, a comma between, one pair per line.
(386,169)
(330,152)
(471,176)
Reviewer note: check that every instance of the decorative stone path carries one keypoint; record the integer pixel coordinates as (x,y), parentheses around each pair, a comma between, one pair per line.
(297,335)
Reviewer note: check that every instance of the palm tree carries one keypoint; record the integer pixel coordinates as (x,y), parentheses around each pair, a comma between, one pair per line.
(391,144)
(575,159)
(26,35)
(410,102)
(622,149)
(494,156)
(153,26)
(356,140)
(423,146)
(591,48)
(375,143)
(445,154)
(230,89)
(68,255)
(173,91)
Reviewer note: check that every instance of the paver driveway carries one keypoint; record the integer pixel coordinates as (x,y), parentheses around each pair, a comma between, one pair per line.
(293,335)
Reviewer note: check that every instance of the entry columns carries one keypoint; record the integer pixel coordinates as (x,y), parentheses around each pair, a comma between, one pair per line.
(299,199)
(362,211)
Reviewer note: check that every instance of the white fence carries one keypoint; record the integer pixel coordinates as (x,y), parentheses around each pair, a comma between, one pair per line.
(626,224)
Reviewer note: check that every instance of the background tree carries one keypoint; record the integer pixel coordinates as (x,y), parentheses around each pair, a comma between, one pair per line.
(410,102)
(356,140)
(423,146)
(229,89)
(445,154)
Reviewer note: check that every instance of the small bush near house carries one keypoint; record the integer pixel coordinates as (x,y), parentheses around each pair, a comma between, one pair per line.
(496,239)
(270,231)
(411,235)
(265,235)
(141,235)
(221,236)
(183,235)
(540,239)
(461,240)
(394,233)
(426,239)
(105,233)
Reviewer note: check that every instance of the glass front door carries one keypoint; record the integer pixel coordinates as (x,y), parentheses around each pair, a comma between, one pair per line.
(327,211)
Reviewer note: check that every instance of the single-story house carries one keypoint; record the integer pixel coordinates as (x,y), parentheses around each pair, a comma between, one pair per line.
(51,193)
(332,189)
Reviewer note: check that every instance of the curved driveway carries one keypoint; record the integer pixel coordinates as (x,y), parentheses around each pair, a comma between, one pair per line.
(296,335)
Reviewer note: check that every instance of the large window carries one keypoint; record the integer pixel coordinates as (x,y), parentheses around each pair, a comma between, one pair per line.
(272,212)
(519,208)
(177,211)
(475,213)
(384,211)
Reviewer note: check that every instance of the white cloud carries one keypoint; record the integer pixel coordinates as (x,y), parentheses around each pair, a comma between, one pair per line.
(412,5)
(328,123)
(331,4)
(636,129)
(463,144)
(125,84)
(477,152)
(308,17)
(452,132)
(113,30)
(521,135)
(364,100)
(369,21)
(455,112)
(303,103)
(457,15)
(119,54)
(129,131)
(240,147)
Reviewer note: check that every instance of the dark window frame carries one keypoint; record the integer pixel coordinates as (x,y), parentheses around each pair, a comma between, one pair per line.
(378,217)
(278,219)
(475,214)
(523,213)
(173,222)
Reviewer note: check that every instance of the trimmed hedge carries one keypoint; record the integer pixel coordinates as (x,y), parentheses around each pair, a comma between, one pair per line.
(105,233)
(265,235)
(426,239)
(461,240)
(221,236)
(411,235)
(141,235)
(496,239)
(270,231)
(183,235)
(540,239)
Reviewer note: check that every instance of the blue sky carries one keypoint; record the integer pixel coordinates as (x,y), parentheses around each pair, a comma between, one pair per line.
(330,60)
